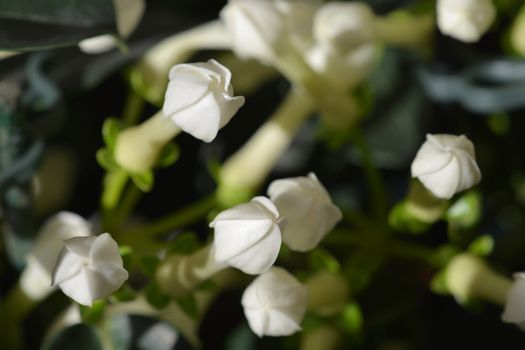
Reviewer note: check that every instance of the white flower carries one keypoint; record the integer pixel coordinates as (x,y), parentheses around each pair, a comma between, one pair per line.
(264,29)
(35,280)
(199,99)
(89,268)
(275,303)
(346,46)
(309,211)
(465,20)
(248,236)
(446,165)
(128,15)
(515,305)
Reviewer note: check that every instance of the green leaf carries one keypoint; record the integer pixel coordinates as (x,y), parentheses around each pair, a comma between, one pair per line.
(320,259)
(124,293)
(105,159)
(78,337)
(31,25)
(482,246)
(206,285)
(155,297)
(400,220)
(169,155)
(110,130)
(126,252)
(93,314)
(185,243)
(188,304)
(148,264)
(352,318)
(143,181)
(466,210)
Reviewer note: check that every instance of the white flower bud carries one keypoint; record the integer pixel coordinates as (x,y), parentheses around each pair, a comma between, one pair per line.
(346,47)
(35,280)
(446,165)
(515,304)
(199,98)
(275,303)
(248,236)
(309,211)
(465,20)
(264,29)
(89,268)
(128,15)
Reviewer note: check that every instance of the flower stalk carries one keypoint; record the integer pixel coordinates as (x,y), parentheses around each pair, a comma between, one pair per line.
(259,155)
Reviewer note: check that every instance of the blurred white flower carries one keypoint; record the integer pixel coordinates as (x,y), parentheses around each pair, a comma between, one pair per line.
(35,280)
(515,305)
(275,303)
(199,98)
(248,236)
(309,211)
(128,15)
(465,20)
(446,165)
(89,268)
(264,29)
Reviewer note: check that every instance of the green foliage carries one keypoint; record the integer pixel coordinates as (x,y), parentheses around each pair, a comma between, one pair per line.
(32,25)
(155,296)
(143,181)
(320,259)
(78,337)
(93,314)
(188,304)
(482,246)
(185,243)
(352,318)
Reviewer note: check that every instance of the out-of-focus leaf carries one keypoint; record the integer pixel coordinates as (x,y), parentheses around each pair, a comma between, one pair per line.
(78,337)
(110,131)
(188,304)
(91,315)
(466,211)
(438,284)
(320,259)
(105,159)
(155,297)
(31,25)
(241,338)
(185,243)
(352,318)
(148,264)
(401,221)
(124,293)
(482,246)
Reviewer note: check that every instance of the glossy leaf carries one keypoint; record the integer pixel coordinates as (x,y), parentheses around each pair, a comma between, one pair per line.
(32,25)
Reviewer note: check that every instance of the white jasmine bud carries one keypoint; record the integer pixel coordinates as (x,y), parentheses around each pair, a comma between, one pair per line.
(264,29)
(465,20)
(89,268)
(248,236)
(128,15)
(515,304)
(199,99)
(308,209)
(469,277)
(35,280)
(446,165)
(346,46)
(275,303)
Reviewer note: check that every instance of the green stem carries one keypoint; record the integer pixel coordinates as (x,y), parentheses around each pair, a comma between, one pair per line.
(133,108)
(373,178)
(128,203)
(185,216)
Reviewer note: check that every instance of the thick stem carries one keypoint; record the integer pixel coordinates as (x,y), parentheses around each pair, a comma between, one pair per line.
(244,172)
(150,75)
(138,147)
(177,275)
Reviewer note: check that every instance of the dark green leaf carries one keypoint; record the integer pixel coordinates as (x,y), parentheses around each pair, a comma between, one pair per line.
(188,304)
(155,297)
(320,259)
(125,293)
(31,25)
(78,337)
(352,318)
(148,264)
(186,243)
(482,246)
